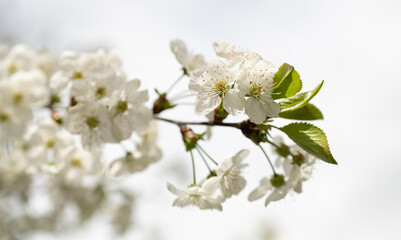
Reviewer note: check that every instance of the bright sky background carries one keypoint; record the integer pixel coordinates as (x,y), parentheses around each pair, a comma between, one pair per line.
(353,45)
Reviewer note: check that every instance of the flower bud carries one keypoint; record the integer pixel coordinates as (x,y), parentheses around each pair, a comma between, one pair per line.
(162,103)
(189,137)
(256,132)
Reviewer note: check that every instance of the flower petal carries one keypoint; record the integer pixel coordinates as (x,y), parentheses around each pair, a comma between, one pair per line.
(233,103)
(255,110)
(206,104)
(260,191)
(277,194)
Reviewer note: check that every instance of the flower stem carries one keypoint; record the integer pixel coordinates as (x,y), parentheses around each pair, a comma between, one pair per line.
(268,159)
(277,146)
(181,97)
(204,160)
(211,159)
(193,166)
(175,83)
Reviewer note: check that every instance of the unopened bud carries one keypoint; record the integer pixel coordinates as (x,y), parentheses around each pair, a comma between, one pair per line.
(161,104)
(57,118)
(189,137)
(257,133)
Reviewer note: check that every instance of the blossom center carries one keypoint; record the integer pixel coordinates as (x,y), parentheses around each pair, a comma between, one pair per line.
(50,143)
(76,162)
(12,69)
(221,87)
(77,75)
(92,122)
(283,150)
(3,117)
(100,92)
(255,89)
(277,180)
(298,159)
(122,106)
(17,98)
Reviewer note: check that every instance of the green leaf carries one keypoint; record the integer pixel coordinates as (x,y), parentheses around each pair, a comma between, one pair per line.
(287,82)
(311,138)
(307,112)
(299,100)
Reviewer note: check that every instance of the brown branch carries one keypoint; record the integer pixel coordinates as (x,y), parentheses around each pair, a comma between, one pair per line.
(179,123)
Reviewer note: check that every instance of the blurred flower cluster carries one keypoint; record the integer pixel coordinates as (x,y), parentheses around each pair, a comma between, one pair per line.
(56,116)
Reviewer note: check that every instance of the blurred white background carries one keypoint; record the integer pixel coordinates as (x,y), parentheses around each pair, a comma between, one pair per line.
(353,45)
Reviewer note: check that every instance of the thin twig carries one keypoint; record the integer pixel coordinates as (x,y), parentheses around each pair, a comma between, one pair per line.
(179,123)
(268,159)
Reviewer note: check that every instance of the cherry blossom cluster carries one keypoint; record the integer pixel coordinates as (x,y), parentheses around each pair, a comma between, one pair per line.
(240,80)
(237,82)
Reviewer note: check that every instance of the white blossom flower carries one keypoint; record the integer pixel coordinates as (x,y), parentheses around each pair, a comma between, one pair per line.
(228,51)
(228,175)
(213,86)
(129,112)
(46,142)
(109,58)
(256,83)
(80,66)
(301,163)
(98,86)
(76,66)
(146,153)
(147,148)
(297,166)
(27,89)
(77,162)
(276,193)
(13,119)
(58,82)
(92,121)
(14,163)
(197,196)
(189,61)
(258,86)
(23,58)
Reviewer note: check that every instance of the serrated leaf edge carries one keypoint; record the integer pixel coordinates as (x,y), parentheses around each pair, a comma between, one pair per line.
(324,134)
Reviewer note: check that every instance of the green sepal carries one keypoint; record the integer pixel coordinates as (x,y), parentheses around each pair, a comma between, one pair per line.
(189,138)
(287,82)
(299,100)
(54,99)
(162,103)
(212,174)
(307,112)
(277,180)
(256,132)
(310,138)
(220,114)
